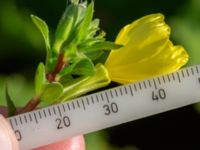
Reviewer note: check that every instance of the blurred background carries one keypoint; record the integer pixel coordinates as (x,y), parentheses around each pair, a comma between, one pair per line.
(22,48)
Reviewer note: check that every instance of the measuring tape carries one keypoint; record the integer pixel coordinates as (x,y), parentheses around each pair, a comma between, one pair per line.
(107,108)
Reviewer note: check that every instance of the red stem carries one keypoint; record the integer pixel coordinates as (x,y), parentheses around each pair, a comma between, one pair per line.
(35,101)
(59,66)
(31,105)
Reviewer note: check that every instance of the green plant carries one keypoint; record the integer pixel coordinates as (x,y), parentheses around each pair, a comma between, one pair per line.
(69,69)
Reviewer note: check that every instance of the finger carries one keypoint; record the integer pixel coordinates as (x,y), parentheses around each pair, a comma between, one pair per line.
(75,143)
(8,140)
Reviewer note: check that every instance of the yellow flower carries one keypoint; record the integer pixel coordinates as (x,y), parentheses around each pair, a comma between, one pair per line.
(147,51)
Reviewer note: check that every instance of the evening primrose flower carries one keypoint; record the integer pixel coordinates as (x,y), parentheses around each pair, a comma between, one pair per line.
(147,51)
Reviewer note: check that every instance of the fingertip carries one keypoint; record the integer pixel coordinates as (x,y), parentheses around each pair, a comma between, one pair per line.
(74,143)
(8,140)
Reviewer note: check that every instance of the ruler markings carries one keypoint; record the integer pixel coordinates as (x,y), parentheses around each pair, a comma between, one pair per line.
(180,76)
(36,120)
(107,98)
(25,118)
(54,111)
(63,106)
(131,90)
(126,92)
(59,111)
(83,103)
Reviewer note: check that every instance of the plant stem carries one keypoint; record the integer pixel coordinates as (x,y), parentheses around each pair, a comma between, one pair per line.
(59,66)
(35,101)
(31,105)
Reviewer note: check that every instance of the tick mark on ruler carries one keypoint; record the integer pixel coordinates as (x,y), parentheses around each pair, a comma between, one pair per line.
(11,123)
(54,111)
(140,86)
(145,86)
(49,112)
(182,74)
(197,69)
(25,118)
(116,92)
(192,71)
(149,83)
(154,83)
(163,79)
(173,76)
(45,115)
(83,103)
(63,106)
(131,90)
(111,93)
(40,114)
(135,87)
(159,80)
(73,105)
(16,121)
(102,97)
(92,99)
(120,91)
(30,117)
(87,101)
(20,119)
(125,90)
(59,111)
(179,80)
(97,98)
(78,104)
(35,118)
(168,78)
(107,97)
(188,74)
(68,106)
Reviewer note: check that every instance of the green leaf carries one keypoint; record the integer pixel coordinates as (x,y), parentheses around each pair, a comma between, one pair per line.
(94,27)
(42,26)
(94,54)
(79,66)
(100,45)
(51,92)
(86,22)
(75,1)
(40,78)
(84,67)
(85,84)
(65,26)
(10,104)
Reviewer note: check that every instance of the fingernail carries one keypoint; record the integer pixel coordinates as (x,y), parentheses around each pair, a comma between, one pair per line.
(7,138)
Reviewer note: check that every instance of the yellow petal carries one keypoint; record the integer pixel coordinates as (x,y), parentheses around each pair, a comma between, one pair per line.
(147,51)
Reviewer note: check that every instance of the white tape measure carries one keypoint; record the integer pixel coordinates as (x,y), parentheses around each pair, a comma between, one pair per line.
(107,108)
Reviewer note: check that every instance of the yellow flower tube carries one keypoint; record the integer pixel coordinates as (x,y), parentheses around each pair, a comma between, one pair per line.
(147,51)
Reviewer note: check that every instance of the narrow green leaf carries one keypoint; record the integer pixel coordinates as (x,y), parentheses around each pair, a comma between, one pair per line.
(65,26)
(79,66)
(10,104)
(42,26)
(94,27)
(100,45)
(40,78)
(84,67)
(75,1)
(94,54)
(86,22)
(51,92)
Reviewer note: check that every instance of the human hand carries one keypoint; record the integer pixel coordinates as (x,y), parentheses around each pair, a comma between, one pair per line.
(8,140)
